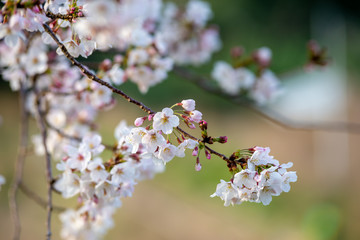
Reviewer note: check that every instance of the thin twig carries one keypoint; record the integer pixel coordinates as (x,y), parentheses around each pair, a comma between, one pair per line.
(63,134)
(93,77)
(42,126)
(37,199)
(265,112)
(19,165)
(74,138)
(54,16)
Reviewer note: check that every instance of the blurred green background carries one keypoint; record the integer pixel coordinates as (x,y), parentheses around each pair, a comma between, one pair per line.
(323,204)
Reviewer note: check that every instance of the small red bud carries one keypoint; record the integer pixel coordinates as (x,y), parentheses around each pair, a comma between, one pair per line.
(237,52)
(223,139)
(208,155)
(196,151)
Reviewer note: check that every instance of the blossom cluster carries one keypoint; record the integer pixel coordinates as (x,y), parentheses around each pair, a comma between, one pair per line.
(147,38)
(151,34)
(99,185)
(262,86)
(139,154)
(261,178)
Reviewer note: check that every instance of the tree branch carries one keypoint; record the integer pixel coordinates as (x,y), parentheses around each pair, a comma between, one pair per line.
(265,112)
(115,90)
(92,76)
(19,164)
(69,17)
(37,199)
(74,138)
(42,126)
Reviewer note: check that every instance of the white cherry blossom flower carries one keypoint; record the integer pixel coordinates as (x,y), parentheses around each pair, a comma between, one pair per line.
(245,177)
(271,178)
(78,157)
(261,157)
(166,152)
(116,74)
(266,193)
(246,194)
(138,56)
(227,192)
(232,80)
(10,35)
(287,178)
(56,118)
(195,116)
(152,140)
(266,88)
(165,121)
(188,105)
(97,170)
(34,62)
(73,48)
(122,172)
(101,96)
(92,144)
(140,38)
(198,12)
(282,168)
(188,143)
(68,184)
(135,138)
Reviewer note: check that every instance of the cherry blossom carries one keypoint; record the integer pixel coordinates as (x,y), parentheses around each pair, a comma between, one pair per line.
(165,121)
(188,105)
(149,38)
(269,179)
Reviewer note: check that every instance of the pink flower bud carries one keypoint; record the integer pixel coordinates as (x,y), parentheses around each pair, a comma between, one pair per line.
(197,167)
(150,117)
(237,52)
(139,121)
(223,139)
(263,56)
(196,151)
(203,125)
(208,155)
(105,65)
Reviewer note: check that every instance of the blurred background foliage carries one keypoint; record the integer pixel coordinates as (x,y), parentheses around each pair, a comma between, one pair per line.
(323,204)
